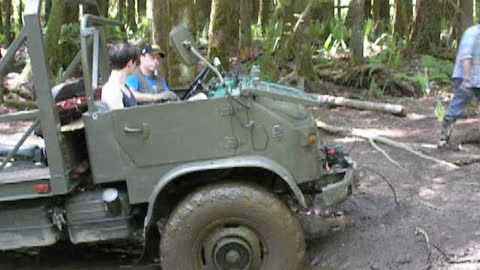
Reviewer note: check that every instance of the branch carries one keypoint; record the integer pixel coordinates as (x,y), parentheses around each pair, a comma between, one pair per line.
(369,135)
(302,16)
(372,142)
(360,104)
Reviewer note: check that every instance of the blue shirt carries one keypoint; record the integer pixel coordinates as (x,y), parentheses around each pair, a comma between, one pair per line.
(469,49)
(133,83)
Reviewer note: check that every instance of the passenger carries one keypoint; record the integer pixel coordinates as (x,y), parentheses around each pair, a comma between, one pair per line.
(145,85)
(115,93)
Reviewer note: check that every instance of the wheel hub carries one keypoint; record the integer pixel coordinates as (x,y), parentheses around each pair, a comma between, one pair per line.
(233,248)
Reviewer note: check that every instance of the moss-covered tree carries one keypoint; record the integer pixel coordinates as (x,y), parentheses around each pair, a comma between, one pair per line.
(381,15)
(7,15)
(224,30)
(403,17)
(182,12)
(426,28)
(245,28)
(131,18)
(141,8)
(160,30)
(264,12)
(323,12)
(203,12)
(54,27)
(358,31)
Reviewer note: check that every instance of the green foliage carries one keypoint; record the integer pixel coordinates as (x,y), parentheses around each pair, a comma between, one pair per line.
(143,32)
(423,79)
(337,39)
(375,90)
(439,109)
(70,35)
(437,69)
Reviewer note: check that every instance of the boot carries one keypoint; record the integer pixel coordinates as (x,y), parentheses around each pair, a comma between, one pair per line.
(445,133)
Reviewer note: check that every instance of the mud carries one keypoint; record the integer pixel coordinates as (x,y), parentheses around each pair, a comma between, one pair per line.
(379,234)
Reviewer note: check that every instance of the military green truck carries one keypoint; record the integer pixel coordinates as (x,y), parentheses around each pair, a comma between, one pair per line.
(214,181)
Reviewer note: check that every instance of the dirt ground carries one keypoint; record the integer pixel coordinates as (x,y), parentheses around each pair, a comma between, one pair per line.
(435,203)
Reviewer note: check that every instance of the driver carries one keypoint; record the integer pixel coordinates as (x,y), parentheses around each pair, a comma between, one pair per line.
(145,85)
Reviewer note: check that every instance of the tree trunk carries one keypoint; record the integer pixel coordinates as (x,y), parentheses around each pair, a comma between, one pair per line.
(381,15)
(245,29)
(264,12)
(477,9)
(1,17)
(20,13)
(54,27)
(403,17)
(182,12)
(357,31)
(360,104)
(302,40)
(224,31)
(72,13)
(131,15)
(203,12)
(425,33)
(160,30)
(7,31)
(121,10)
(324,13)
(142,8)
(48,8)
(465,16)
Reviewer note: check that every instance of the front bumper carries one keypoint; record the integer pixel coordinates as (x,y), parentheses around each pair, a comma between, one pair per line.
(337,192)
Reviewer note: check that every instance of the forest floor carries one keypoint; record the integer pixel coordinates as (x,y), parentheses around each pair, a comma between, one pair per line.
(435,202)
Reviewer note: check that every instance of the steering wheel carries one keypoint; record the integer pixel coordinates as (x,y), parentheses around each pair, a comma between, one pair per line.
(196,85)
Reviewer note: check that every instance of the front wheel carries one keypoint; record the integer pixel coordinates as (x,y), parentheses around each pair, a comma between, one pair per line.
(232,226)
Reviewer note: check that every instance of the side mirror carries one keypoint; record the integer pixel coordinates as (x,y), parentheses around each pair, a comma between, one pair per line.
(183,41)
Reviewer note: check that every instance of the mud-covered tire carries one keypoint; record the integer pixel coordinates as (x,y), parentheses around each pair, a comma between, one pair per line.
(229,224)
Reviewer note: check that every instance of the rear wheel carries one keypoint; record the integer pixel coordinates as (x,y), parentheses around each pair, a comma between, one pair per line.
(232,226)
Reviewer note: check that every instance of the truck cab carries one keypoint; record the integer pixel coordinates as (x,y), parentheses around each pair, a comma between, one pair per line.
(213,181)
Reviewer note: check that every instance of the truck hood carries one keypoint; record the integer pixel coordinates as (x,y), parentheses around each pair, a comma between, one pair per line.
(281,93)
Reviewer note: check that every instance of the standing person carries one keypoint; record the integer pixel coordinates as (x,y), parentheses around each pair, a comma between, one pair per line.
(115,93)
(144,83)
(466,83)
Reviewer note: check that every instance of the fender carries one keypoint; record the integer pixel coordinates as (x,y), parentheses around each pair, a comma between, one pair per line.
(235,162)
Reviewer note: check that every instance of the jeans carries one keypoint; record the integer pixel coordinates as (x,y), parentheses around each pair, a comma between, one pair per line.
(461,98)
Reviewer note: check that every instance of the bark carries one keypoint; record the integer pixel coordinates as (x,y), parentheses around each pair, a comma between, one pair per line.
(131,15)
(324,13)
(403,17)
(20,13)
(245,29)
(121,10)
(182,12)
(425,33)
(367,12)
(302,40)
(465,16)
(203,12)
(48,8)
(1,16)
(72,13)
(381,15)
(477,9)
(362,105)
(358,31)
(160,30)
(142,8)
(54,27)
(264,12)
(224,31)
(7,31)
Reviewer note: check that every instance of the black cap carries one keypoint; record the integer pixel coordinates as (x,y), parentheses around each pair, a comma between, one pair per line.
(153,49)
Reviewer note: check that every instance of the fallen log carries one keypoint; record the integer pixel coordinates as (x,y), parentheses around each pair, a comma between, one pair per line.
(362,133)
(360,104)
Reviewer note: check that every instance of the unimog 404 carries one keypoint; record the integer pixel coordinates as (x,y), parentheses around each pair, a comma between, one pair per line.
(209,184)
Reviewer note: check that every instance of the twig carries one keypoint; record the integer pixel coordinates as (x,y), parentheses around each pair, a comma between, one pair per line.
(372,142)
(289,75)
(427,242)
(384,179)
(302,17)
